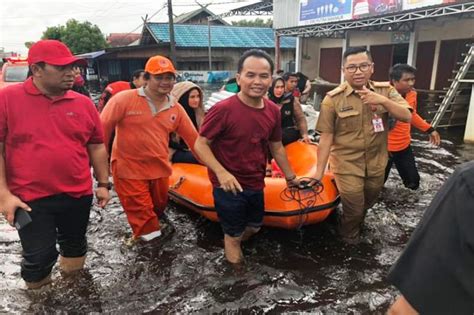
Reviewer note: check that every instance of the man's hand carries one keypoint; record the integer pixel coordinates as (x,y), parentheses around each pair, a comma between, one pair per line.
(435,139)
(293,182)
(306,139)
(8,205)
(229,182)
(103,196)
(369,97)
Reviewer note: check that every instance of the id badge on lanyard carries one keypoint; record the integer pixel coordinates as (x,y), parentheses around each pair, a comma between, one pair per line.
(377,122)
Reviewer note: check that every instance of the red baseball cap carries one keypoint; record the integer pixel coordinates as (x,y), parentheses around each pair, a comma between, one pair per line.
(52,52)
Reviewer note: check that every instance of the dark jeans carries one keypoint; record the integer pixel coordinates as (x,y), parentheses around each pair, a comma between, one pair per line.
(405,163)
(181,156)
(58,219)
(236,212)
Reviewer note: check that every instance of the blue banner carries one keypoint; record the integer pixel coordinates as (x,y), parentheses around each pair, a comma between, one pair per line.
(322,11)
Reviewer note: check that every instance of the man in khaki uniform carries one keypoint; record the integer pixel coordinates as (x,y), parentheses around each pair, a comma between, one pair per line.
(353,127)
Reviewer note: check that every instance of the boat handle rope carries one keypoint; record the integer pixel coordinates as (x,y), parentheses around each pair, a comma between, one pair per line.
(178,183)
(305,194)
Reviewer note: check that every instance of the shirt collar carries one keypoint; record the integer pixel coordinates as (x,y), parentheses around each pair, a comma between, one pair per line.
(31,88)
(171,100)
(348,90)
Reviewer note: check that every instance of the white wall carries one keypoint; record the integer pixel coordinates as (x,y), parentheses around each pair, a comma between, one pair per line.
(285,13)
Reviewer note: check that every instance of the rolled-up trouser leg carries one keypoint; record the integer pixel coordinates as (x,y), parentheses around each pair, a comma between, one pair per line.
(72,224)
(351,189)
(38,240)
(159,194)
(137,203)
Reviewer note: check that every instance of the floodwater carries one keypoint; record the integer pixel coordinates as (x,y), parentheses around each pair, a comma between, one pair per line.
(307,270)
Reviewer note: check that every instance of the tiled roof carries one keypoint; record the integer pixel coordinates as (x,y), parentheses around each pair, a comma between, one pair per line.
(221,36)
(122,39)
(185,17)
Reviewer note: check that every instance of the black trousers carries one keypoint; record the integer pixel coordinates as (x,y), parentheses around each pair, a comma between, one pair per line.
(59,219)
(290,135)
(181,156)
(405,163)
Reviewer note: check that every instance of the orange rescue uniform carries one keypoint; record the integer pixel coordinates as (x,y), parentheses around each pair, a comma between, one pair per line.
(399,138)
(140,164)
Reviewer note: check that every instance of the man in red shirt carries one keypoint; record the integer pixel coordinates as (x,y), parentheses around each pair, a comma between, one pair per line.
(233,143)
(48,136)
(402,77)
(137,81)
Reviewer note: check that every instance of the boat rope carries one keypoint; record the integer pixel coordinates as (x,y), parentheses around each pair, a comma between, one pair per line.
(305,194)
(178,182)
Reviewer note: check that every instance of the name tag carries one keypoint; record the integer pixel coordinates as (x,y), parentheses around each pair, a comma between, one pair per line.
(345,109)
(377,122)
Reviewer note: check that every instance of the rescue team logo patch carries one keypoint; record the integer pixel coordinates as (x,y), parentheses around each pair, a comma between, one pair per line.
(173,118)
(163,63)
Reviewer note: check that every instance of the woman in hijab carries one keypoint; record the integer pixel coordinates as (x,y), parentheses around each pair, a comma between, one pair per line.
(190,96)
(293,120)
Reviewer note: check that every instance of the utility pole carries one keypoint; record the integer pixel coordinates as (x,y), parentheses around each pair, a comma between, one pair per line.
(209,43)
(171,26)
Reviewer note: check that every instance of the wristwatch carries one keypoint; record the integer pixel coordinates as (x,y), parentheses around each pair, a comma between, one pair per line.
(105,185)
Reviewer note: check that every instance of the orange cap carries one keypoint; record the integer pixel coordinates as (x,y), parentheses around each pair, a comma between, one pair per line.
(159,64)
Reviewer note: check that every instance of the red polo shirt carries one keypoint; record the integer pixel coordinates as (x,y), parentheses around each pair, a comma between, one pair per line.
(46,141)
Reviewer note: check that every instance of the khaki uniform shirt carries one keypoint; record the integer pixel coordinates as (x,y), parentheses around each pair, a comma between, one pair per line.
(357,149)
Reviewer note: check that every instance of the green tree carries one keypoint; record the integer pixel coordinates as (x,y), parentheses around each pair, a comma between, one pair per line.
(53,32)
(258,22)
(29,44)
(80,37)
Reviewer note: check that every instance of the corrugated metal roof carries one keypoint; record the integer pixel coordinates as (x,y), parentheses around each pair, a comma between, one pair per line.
(91,55)
(221,36)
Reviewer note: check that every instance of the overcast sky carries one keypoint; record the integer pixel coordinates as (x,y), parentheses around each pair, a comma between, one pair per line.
(25,20)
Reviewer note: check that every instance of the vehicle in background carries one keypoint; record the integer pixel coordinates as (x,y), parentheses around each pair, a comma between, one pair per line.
(14,70)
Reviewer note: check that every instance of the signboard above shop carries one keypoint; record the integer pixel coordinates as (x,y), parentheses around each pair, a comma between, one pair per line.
(324,11)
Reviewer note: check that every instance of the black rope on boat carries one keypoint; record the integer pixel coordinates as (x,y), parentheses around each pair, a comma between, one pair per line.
(305,194)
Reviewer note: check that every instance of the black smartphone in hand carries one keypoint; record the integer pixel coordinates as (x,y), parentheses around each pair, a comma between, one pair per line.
(22,218)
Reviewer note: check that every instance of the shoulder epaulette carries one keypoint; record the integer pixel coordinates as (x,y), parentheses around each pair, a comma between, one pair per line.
(381,84)
(335,91)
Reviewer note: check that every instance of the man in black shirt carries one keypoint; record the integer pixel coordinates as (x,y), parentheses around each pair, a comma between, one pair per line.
(435,273)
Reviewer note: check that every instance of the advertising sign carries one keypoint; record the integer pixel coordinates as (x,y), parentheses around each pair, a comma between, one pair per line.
(322,11)
(205,76)
(366,8)
(413,4)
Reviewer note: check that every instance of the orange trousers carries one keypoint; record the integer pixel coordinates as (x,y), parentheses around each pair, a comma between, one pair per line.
(143,202)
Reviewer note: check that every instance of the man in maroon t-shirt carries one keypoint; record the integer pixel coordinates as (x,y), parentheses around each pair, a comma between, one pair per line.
(48,137)
(233,143)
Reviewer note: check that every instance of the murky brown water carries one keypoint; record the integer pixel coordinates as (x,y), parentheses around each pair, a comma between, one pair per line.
(306,270)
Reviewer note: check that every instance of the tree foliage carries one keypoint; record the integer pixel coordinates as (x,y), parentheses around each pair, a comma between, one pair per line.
(29,44)
(258,22)
(80,37)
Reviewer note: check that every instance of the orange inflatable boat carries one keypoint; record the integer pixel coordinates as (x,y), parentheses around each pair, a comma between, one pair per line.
(191,188)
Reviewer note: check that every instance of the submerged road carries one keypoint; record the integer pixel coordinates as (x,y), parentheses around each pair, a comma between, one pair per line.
(306,270)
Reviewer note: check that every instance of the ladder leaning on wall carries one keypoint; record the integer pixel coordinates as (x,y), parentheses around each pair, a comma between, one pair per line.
(447,103)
